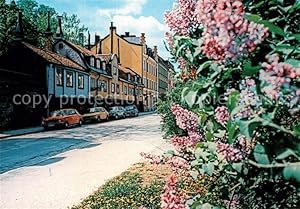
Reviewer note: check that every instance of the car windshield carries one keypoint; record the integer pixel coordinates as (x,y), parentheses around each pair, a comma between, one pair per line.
(129,107)
(92,110)
(56,113)
(112,108)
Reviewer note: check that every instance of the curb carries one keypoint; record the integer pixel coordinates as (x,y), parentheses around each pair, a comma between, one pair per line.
(20,134)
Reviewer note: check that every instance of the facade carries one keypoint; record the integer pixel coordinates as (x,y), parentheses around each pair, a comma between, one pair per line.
(163,77)
(134,54)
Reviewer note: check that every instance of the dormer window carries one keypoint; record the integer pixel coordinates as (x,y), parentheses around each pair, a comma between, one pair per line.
(92,62)
(129,76)
(98,63)
(103,66)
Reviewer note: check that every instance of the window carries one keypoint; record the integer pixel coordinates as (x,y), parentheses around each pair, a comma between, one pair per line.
(93,84)
(99,84)
(98,63)
(92,62)
(118,88)
(104,85)
(125,89)
(60,46)
(59,77)
(115,70)
(129,76)
(103,66)
(81,81)
(112,88)
(69,79)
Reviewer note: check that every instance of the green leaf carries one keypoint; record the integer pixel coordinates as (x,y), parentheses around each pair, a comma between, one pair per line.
(237,167)
(293,62)
(204,66)
(232,129)
(292,172)
(233,100)
(260,155)
(297,36)
(286,154)
(273,28)
(190,98)
(253,17)
(247,127)
(210,168)
(297,129)
(249,70)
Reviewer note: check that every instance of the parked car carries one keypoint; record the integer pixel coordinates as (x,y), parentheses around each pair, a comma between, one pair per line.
(96,114)
(131,111)
(117,112)
(62,118)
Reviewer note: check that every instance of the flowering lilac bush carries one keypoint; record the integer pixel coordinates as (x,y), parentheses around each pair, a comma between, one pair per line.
(235,113)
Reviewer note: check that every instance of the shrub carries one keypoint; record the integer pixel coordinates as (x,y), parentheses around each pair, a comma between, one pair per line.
(238,119)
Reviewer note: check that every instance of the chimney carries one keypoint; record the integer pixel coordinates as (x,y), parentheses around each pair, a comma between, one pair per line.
(127,34)
(81,38)
(59,31)
(89,41)
(155,52)
(143,38)
(48,35)
(19,33)
(112,32)
(97,39)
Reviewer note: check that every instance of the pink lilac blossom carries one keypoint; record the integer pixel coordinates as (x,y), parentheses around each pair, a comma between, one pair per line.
(222,115)
(230,153)
(172,198)
(234,203)
(153,159)
(178,164)
(170,41)
(227,35)
(183,18)
(182,143)
(182,63)
(248,100)
(185,119)
(277,75)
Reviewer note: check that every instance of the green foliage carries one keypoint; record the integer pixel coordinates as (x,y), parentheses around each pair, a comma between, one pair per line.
(35,17)
(270,164)
(125,191)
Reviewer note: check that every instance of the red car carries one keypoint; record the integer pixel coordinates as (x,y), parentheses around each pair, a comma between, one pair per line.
(62,118)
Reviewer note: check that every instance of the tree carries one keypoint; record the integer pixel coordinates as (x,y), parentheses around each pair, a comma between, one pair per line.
(35,22)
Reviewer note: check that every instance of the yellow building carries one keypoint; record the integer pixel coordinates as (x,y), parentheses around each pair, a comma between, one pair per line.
(133,54)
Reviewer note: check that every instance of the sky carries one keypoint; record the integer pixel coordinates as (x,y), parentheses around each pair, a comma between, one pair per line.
(134,16)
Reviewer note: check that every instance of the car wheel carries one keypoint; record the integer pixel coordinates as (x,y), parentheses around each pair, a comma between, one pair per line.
(124,116)
(46,128)
(107,118)
(116,117)
(66,125)
(80,123)
(99,119)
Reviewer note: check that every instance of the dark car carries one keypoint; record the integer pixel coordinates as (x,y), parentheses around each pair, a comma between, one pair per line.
(131,111)
(62,118)
(96,114)
(117,112)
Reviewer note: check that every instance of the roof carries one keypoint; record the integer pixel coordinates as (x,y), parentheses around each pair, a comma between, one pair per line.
(53,57)
(132,39)
(81,49)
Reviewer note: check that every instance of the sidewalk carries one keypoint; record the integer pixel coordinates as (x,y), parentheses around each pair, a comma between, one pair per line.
(24,131)
(19,132)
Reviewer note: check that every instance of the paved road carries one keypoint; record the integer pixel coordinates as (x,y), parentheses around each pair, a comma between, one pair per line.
(55,169)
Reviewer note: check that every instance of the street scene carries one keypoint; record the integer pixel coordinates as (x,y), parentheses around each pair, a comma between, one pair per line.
(63,164)
(146,104)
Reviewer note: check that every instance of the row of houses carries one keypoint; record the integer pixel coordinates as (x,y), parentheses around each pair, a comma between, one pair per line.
(115,70)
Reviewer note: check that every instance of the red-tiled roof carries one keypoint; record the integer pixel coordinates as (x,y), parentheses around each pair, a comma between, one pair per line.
(82,50)
(53,57)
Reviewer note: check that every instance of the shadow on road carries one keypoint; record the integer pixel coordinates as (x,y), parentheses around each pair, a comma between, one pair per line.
(19,152)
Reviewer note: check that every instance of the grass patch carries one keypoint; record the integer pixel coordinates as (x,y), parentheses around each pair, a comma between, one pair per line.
(141,185)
